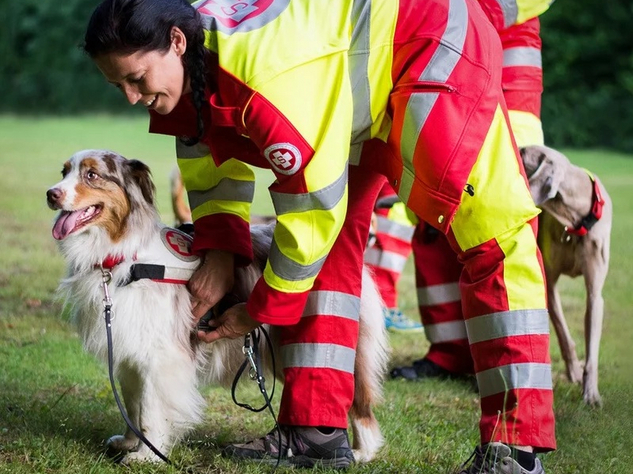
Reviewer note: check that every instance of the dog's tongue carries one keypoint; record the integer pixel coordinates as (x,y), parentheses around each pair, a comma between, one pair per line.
(65,224)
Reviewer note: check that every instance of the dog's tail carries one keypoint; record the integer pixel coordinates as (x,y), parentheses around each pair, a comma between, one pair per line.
(372,355)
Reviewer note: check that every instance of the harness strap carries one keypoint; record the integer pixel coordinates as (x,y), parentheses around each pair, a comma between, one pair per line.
(158,273)
(594,215)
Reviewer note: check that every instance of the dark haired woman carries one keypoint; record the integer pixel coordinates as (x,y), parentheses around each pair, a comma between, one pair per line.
(330,98)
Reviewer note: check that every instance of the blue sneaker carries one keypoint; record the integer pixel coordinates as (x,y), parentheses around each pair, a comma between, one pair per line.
(396,321)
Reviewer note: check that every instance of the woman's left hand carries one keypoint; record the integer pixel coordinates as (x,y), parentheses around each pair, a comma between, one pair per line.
(233,323)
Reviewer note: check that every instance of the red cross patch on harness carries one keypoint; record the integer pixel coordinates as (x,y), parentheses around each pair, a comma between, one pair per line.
(178,243)
(285,158)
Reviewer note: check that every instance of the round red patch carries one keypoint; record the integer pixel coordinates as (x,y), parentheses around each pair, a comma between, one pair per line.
(285,158)
(178,243)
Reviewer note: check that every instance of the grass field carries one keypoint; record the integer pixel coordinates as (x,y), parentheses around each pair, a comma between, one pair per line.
(56,408)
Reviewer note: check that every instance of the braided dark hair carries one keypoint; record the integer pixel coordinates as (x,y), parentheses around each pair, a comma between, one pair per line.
(128,26)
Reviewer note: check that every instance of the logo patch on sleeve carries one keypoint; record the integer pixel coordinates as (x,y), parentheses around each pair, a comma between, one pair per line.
(178,243)
(285,158)
(242,15)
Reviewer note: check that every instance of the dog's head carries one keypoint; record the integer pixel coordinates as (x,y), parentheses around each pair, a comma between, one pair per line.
(99,189)
(545,169)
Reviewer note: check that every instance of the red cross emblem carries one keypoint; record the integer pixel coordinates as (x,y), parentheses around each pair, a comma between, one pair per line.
(285,158)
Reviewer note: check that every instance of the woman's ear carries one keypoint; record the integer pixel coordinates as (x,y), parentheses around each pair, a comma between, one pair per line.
(178,40)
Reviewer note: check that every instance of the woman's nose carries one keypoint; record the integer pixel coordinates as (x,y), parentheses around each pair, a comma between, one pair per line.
(132,94)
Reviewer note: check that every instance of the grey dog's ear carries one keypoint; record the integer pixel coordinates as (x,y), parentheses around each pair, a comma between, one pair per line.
(544,175)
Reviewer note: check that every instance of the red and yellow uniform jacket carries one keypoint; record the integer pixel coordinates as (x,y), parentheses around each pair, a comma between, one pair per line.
(297,87)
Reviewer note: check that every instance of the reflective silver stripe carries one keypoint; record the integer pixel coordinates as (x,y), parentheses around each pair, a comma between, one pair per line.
(199,150)
(514,376)
(323,199)
(522,56)
(355,151)
(226,190)
(439,294)
(290,270)
(507,323)
(173,273)
(318,356)
(385,259)
(510,11)
(332,303)
(358,70)
(438,70)
(445,332)
(395,229)
(234,14)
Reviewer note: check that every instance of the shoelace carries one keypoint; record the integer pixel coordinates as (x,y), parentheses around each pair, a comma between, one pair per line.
(481,461)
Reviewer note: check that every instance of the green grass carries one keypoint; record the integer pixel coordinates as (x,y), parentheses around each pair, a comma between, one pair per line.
(56,408)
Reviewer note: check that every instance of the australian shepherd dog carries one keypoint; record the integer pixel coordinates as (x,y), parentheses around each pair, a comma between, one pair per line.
(108,229)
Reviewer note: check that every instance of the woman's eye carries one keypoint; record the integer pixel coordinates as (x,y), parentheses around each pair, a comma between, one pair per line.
(136,80)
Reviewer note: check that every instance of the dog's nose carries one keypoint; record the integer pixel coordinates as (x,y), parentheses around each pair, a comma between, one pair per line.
(53,196)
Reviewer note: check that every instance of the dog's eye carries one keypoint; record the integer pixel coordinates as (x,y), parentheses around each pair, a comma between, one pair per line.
(91,175)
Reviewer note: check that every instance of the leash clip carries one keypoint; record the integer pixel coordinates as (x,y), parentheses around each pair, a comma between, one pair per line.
(565,237)
(247,350)
(106,278)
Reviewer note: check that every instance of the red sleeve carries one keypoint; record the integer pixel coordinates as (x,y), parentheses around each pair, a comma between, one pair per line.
(224,232)
(265,302)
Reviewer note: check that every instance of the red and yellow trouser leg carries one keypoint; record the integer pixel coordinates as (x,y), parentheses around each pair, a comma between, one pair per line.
(437,273)
(522,84)
(318,353)
(504,298)
(388,256)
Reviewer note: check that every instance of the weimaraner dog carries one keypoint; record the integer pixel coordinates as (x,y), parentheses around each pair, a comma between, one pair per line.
(574,236)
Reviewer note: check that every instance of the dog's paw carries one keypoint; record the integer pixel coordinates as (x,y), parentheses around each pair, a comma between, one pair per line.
(575,372)
(146,456)
(592,397)
(122,444)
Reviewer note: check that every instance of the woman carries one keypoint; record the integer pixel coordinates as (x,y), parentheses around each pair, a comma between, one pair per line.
(330,99)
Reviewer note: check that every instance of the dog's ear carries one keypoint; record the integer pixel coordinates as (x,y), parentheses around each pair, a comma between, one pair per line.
(141,174)
(543,174)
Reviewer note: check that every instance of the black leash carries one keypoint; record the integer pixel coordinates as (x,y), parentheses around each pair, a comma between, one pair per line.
(256,372)
(107,312)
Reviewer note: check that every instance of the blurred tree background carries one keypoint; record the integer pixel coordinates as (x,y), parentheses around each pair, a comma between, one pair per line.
(587,61)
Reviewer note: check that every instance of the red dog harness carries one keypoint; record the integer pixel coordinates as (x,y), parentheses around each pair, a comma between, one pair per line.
(594,215)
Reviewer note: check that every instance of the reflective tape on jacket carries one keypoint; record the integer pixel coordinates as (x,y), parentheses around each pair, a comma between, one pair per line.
(322,199)
(522,56)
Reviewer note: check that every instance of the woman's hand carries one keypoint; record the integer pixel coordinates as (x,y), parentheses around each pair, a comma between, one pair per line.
(233,323)
(211,282)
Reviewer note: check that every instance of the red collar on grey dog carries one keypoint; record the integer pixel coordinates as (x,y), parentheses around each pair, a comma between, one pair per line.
(594,215)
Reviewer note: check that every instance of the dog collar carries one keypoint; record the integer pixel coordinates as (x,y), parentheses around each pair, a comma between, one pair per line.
(110,262)
(594,215)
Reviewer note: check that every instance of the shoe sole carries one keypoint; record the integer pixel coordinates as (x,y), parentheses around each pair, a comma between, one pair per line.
(342,462)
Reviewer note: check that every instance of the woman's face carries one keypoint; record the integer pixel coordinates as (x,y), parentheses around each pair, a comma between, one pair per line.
(156,79)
